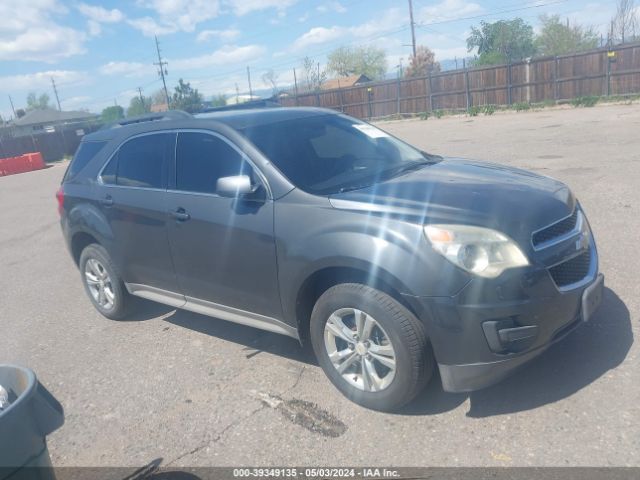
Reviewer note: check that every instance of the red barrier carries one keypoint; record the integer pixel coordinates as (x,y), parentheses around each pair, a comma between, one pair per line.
(21,164)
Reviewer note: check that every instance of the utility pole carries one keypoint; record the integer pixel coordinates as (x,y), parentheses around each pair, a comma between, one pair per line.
(162,70)
(413,28)
(141,97)
(12,107)
(249,79)
(55,90)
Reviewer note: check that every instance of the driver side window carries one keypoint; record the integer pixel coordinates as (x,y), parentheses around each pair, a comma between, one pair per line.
(202,159)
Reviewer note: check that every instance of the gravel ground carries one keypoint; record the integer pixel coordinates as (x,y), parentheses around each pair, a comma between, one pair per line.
(194,391)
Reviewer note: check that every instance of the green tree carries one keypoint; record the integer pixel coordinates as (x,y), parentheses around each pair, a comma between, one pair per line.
(35,102)
(20,113)
(219,100)
(559,38)
(503,41)
(186,98)
(138,106)
(111,114)
(423,63)
(364,60)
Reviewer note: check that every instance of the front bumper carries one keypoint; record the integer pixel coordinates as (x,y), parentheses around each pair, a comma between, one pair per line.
(474,376)
(487,331)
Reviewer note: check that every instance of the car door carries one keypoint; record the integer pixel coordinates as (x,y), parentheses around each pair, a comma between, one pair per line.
(132,195)
(223,248)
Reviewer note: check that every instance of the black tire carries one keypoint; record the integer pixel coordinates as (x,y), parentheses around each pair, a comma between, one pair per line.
(414,360)
(121,298)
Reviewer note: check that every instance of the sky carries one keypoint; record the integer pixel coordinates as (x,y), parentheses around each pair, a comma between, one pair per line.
(99,53)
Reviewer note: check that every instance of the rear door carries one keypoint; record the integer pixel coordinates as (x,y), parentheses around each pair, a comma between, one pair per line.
(133,197)
(223,248)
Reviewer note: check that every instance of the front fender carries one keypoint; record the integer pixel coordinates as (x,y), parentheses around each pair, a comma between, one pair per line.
(310,238)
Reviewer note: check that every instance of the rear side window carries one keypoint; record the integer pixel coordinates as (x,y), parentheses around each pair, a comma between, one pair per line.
(141,162)
(86,151)
(201,159)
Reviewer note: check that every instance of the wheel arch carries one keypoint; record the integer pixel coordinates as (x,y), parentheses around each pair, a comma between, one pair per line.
(320,280)
(79,242)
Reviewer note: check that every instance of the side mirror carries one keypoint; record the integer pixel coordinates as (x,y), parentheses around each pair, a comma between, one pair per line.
(235,186)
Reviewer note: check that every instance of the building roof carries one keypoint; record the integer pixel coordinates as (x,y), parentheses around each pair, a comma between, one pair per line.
(343,82)
(51,116)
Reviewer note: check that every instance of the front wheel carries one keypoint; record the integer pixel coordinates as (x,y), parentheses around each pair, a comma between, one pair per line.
(371,347)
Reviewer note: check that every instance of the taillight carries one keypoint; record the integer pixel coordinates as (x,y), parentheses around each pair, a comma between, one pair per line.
(60,198)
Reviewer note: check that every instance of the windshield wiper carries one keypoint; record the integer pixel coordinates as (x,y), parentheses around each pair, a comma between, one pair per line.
(407,167)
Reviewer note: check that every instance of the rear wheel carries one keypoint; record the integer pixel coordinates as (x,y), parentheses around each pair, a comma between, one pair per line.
(370,346)
(102,283)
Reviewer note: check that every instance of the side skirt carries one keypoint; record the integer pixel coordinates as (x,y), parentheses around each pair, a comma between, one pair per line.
(223,312)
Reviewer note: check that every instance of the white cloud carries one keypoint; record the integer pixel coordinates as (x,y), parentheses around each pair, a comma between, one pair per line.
(388,20)
(331,7)
(224,35)
(229,54)
(100,14)
(29,32)
(149,27)
(319,35)
(126,69)
(42,80)
(242,7)
(175,15)
(94,28)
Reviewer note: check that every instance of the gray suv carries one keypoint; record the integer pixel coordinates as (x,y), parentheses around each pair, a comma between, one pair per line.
(388,260)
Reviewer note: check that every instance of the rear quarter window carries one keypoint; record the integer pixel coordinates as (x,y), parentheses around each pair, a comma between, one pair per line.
(86,151)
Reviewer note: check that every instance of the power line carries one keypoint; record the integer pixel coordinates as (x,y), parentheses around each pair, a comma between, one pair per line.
(490,14)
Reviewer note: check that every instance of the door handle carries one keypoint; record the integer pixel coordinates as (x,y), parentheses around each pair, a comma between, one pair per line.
(180,215)
(107,201)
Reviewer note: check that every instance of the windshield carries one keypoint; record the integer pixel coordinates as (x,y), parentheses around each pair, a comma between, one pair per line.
(325,154)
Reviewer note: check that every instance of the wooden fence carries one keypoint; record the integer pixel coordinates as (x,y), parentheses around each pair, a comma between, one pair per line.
(614,71)
(53,146)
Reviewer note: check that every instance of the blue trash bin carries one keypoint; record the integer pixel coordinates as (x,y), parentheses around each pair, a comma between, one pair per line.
(32,414)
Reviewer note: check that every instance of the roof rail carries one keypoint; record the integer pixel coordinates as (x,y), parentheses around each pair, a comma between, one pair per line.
(151,117)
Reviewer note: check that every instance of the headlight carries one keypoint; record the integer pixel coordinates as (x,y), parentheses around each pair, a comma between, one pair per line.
(477,250)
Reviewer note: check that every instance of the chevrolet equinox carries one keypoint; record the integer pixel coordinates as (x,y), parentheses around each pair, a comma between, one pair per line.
(306,222)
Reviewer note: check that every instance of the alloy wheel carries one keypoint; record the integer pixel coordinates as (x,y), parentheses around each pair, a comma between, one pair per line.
(99,283)
(360,349)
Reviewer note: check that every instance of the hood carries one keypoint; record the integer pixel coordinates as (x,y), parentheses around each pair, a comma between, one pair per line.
(460,191)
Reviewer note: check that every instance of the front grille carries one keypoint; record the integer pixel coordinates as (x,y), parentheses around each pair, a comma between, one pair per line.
(571,271)
(556,230)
